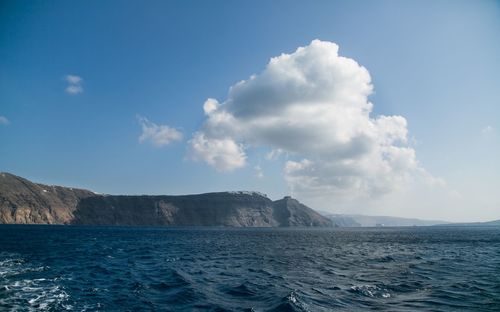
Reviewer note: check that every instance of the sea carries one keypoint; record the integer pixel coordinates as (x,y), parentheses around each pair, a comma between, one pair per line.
(73,268)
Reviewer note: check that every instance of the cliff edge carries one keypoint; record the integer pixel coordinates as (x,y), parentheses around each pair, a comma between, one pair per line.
(25,202)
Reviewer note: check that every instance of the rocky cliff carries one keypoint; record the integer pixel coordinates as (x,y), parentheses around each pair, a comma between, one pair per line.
(25,202)
(22,201)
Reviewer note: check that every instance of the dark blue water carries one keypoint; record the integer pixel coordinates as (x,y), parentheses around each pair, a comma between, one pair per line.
(58,268)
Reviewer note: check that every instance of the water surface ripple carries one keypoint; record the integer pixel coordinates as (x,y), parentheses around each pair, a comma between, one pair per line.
(60,268)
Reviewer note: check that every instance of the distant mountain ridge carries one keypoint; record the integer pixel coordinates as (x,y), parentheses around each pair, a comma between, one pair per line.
(356,220)
(25,202)
(485,223)
(365,220)
(341,220)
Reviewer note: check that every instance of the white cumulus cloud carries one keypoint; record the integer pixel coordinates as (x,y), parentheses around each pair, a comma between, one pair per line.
(75,84)
(313,106)
(224,154)
(158,135)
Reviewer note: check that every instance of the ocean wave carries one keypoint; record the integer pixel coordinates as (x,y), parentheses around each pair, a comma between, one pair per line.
(30,294)
(372,291)
(292,302)
(246,270)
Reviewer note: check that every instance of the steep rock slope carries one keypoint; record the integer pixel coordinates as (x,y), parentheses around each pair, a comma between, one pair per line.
(290,212)
(22,201)
(25,202)
(219,209)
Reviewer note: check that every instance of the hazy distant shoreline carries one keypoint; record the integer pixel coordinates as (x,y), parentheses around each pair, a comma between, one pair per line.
(25,202)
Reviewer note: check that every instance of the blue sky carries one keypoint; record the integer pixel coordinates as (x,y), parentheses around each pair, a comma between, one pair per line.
(435,63)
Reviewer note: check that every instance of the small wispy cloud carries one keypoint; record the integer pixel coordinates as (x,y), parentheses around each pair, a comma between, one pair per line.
(487,130)
(74,84)
(157,135)
(4,121)
(274,154)
(258,172)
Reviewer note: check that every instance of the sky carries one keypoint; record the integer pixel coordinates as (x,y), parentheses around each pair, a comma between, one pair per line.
(371,107)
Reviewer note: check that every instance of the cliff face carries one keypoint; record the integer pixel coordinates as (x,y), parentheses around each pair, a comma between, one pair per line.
(290,212)
(221,209)
(342,220)
(22,201)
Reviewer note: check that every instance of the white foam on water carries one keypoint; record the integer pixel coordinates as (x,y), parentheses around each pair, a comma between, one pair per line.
(371,291)
(294,299)
(36,294)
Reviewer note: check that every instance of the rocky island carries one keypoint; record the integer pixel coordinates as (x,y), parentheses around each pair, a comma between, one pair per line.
(25,202)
